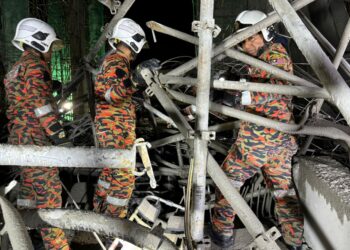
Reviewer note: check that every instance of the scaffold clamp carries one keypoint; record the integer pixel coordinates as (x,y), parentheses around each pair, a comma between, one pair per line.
(267,240)
(142,146)
(208,24)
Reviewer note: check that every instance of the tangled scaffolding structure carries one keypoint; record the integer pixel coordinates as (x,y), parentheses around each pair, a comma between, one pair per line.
(330,87)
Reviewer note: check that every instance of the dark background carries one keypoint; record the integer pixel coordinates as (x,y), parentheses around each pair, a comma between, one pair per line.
(175,14)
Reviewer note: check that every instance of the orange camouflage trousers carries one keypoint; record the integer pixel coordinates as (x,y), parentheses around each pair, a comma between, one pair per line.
(114,186)
(40,187)
(275,163)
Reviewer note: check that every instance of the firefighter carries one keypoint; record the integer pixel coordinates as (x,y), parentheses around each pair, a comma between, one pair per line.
(115,114)
(33,119)
(262,148)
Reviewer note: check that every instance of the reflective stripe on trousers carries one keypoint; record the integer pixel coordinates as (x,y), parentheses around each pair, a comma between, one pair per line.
(26,203)
(117,202)
(284,193)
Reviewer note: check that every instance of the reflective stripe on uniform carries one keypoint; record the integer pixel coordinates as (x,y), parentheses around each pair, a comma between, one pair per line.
(108,95)
(104,184)
(117,202)
(26,203)
(236,184)
(44,110)
(284,193)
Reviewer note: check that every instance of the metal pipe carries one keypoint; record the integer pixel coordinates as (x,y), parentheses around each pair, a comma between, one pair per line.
(14,226)
(106,32)
(78,157)
(253,221)
(255,194)
(166,163)
(300,91)
(73,84)
(179,155)
(181,122)
(319,61)
(268,67)
(336,61)
(166,202)
(152,117)
(172,32)
(344,41)
(299,71)
(237,38)
(329,132)
(187,219)
(246,215)
(179,137)
(159,114)
(167,79)
(206,26)
(224,126)
(327,123)
(154,87)
(238,113)
(92,222)
(167,140)
(182,173)
(325,43)
(218,147)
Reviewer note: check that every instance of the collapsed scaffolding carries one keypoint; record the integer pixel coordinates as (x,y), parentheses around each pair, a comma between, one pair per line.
(333,89)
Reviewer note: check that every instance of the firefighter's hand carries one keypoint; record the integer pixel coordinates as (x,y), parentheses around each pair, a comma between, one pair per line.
(232,98)
(152,64)
(60,139)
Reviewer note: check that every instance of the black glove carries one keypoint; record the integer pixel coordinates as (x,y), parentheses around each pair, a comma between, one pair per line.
(58,137)
(151,64)
(61,141)
(56,86)
(232,98)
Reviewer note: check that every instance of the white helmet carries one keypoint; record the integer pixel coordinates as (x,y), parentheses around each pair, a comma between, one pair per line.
(36,34)
(250,17)
(129,32)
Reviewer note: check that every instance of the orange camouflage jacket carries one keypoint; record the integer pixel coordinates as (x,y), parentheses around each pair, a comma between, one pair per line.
(273,106)
(29,94)
(113,92)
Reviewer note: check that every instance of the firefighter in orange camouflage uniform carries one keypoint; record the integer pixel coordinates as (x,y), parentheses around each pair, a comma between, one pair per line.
(115,115)
(33,119)
(259,147)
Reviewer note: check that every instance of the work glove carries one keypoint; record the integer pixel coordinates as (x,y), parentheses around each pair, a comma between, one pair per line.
(56,86)
(237,98)
(190,111)
(152,64)
(246,98)
(232,98)
(59,138)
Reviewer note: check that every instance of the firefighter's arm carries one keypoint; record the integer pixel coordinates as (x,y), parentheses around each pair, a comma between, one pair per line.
(278,59)
(117,79)
(40,98)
